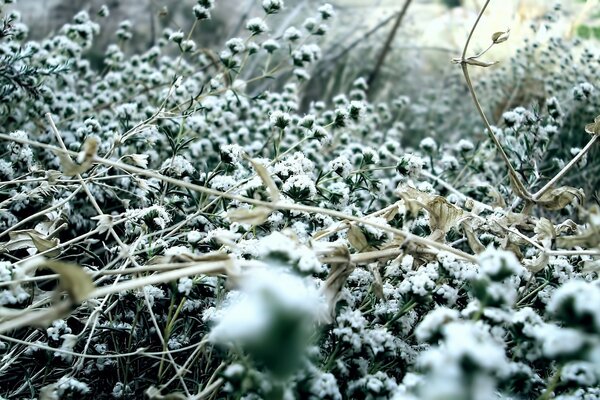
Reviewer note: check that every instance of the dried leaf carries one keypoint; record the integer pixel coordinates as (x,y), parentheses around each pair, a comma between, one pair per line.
(357,238)
(593,128)
(538,263)
(511,243)
(559,198)
(267,180)
(500,37)
(70,168)
(29,239)
(442,215)
(474,243)
(569,226)
(73,279)
(42,244)
(545,232)
(478,63)
(588,238)
(377,282)
(338,274)
(255,216)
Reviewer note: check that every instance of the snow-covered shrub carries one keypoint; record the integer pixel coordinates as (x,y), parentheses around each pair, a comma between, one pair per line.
(176,224)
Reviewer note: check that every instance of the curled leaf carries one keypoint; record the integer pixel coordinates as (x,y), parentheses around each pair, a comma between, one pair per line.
(500,37)
(538,263)
(442,214)
(545,232)
(594,127)
(589,238)
(469,230)
(267,180)
(569,226)
(338,274)
(559,198)
(86,156)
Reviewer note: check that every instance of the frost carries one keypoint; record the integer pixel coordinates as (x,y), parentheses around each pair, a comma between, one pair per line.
(266,294)
(499,264)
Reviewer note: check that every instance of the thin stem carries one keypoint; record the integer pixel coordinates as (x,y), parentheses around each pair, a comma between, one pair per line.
(388,43)
(514,178)
(565,169)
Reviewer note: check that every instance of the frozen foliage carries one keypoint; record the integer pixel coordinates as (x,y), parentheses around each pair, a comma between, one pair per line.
(223,232)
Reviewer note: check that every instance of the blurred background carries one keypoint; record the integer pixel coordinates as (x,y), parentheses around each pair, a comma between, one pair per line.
(429,34)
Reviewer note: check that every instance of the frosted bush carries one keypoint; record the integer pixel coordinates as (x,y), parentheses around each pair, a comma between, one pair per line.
(221,230)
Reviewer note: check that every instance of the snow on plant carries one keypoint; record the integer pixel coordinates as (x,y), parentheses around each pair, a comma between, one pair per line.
(184,223)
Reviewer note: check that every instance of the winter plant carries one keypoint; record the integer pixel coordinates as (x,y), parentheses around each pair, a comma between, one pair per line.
(176,224)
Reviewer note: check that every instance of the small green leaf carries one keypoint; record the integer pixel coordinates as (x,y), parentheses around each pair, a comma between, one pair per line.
(584,31)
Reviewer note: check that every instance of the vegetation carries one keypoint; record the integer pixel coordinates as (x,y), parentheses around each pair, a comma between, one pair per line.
(190,223)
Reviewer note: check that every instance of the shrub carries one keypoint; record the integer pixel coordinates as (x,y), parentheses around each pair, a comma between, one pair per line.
(170,230)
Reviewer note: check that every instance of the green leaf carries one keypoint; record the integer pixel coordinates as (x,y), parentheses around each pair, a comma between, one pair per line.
(584,31)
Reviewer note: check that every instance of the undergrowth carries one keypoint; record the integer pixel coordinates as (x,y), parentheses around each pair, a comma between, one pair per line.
(176,224)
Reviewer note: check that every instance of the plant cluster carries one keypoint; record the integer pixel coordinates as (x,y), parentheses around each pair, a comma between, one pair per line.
(167,232)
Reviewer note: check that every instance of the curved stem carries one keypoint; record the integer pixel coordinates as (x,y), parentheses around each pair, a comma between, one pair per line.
(565,169)
(516,183)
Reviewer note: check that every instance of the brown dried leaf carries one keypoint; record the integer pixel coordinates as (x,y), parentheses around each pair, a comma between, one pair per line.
(500,37)
(377,282)
(474,243)
(544,229)
(357,238)
(70,168)
(73,279)
(43,244)
(255,216)
(442,215)
(338,274)
(559,198)
(267,180)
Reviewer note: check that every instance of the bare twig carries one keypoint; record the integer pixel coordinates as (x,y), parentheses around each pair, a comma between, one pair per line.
(388,43)
(515,181)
